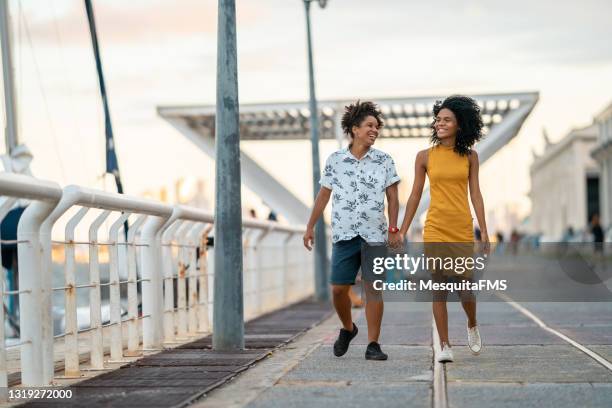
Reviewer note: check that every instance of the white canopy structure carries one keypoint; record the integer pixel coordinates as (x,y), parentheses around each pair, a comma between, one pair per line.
(410,117)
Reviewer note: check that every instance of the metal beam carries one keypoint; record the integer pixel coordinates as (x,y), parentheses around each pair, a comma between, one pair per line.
(188,121)
(254,177)
(405,117)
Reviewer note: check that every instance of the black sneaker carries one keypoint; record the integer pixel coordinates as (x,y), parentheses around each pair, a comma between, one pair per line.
(344,339)
(373,352)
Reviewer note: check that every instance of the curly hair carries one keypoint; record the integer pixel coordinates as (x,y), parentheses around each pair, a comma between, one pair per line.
(469,121)
(355,114)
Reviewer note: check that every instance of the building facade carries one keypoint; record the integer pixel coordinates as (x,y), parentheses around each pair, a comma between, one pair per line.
(565,185)
(603,154)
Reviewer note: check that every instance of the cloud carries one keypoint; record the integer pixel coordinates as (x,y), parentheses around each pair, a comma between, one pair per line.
(135,21)
(543,31)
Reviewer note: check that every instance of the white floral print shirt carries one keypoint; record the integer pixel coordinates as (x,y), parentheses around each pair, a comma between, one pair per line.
(358,193)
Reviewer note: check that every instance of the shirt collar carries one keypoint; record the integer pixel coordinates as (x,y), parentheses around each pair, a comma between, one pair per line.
(347,151)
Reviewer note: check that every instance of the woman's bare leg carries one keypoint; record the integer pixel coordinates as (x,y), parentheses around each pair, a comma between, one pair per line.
(469,306)
(441,317)
(468,301)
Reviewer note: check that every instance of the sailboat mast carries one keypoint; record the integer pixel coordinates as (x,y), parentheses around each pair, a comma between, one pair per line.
(10,103)
(112,165)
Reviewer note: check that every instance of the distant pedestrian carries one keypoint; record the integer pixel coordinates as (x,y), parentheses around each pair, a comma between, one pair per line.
(252,213)
(477,234)
(568,236)
(499,249)
(514,239)
(272,216)
(17,162)
(597,232)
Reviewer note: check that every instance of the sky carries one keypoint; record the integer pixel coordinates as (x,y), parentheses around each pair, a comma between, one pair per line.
(163,52)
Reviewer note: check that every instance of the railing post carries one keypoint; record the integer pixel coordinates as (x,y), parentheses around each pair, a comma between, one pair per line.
(204,320)
(259,270)
(152,292)
(3,372)
(168,279)
(286,263)
(116,334)
(181,282)
(4,209)
(35,313)
(71,340)
(193,278)
(249,270)
(132,290)
(95,295)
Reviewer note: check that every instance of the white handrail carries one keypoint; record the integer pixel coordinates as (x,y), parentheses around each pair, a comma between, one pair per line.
(35,321)
(277,277)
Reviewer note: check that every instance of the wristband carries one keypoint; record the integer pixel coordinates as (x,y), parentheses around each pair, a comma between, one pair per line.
(393,230)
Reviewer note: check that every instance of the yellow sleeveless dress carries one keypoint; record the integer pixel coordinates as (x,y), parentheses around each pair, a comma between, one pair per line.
(448,218)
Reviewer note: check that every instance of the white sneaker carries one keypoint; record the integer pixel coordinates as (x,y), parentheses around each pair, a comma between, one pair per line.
(474,340)
(445,355)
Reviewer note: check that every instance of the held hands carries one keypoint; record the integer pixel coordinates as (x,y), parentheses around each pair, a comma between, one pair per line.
(309,238)
(396,240)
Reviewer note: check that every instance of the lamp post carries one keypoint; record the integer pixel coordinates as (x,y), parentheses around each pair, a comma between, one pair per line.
(321,263)
(10,104)
(228,311)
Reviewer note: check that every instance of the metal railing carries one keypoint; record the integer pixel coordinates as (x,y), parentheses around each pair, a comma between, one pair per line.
(163,260)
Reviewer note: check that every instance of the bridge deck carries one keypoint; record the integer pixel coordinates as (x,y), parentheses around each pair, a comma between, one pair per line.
(521,364)
(177,376)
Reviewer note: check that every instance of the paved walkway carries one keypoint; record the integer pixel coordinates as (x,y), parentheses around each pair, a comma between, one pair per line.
(524,362)
(176,377)
(535,354)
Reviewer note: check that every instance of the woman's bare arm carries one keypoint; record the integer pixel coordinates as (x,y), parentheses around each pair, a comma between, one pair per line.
(476,195)
(420,170)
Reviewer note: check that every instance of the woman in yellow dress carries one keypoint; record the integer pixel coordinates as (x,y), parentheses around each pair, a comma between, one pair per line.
(451,166)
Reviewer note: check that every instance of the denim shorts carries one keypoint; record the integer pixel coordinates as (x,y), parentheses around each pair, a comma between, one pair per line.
(346,261)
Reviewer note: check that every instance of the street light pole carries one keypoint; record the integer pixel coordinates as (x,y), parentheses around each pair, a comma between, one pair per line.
(228,313)
(320,244)
(10,104)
